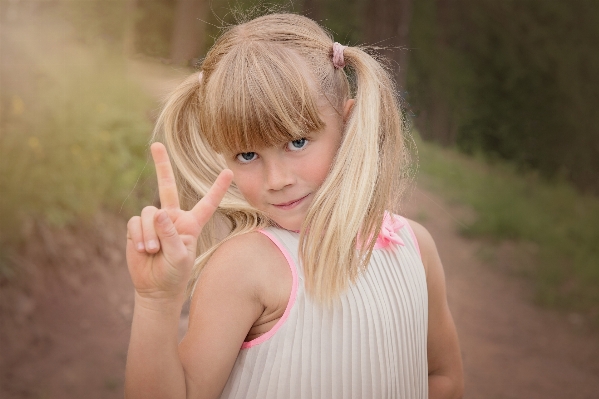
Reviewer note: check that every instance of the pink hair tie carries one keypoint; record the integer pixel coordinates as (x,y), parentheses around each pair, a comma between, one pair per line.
(200,76)
(338,61)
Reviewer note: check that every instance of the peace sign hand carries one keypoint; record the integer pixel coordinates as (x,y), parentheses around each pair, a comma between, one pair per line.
(161,243)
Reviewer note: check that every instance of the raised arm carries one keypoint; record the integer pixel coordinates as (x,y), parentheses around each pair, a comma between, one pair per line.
(161,249)
(445,376)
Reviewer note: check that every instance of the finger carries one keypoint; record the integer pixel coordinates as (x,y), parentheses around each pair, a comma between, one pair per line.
(167,187)
(172,246)
(150,237)
(204,209)
(134,233)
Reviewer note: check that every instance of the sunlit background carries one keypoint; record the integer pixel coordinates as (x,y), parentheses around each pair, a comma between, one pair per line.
(502,97)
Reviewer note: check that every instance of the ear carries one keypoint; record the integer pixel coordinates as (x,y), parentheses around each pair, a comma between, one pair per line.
(349,105)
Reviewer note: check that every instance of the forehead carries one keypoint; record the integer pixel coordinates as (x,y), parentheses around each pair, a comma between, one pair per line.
(259,95)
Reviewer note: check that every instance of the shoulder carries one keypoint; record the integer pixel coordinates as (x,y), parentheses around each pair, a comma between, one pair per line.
(420,232)
(250,252)
(245,247)
(250,262)
(425,243)
(231,294)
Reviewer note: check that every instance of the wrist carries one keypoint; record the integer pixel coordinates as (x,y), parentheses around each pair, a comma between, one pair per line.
(160,305)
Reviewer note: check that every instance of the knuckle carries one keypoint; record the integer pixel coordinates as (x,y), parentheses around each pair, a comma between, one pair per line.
(179,257)
(170,231)
(148,210)
(133,222)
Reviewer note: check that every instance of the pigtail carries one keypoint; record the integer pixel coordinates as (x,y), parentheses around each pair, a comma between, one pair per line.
(196,167)
(255,92)
(364,182)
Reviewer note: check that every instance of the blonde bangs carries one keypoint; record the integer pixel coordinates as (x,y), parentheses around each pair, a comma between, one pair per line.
(261,85)
(259,97)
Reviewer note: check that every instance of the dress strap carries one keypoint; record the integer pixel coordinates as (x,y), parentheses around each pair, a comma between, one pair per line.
(292,296)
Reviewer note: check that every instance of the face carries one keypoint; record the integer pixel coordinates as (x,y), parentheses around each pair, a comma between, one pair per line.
(282,181)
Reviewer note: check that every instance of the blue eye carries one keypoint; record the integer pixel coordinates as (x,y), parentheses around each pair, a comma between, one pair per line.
(297,145)
(246,157)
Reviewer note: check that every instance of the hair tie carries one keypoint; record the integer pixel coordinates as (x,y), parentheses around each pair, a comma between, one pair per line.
(338,61)
(200,76)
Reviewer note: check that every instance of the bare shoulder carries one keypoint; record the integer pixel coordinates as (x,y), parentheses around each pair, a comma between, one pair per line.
(250,264)
(232,293)
(426,243)
(252,256)
(420,231)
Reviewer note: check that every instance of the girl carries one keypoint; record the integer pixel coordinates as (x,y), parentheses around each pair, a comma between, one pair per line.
(307,284)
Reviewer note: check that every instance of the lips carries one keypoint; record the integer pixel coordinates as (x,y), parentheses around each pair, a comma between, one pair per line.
(290,204)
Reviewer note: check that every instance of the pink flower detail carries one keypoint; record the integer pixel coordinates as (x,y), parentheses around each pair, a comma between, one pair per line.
(391,224)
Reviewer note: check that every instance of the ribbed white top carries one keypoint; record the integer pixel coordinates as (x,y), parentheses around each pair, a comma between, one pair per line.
(370,345)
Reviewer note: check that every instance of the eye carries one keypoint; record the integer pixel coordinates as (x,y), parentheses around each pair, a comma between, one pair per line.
(246,157)
(297,145)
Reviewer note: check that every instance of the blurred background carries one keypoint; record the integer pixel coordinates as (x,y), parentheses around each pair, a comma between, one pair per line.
(502,97)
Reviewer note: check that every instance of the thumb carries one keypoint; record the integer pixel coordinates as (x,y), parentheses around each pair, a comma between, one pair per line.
(171,244)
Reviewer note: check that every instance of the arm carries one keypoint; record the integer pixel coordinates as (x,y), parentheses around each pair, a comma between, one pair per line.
(223,309)
(161,248)
(153,365)
(230,296)
(227,301)
(445,376)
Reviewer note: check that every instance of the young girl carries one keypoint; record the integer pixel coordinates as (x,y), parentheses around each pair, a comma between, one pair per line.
(307,284)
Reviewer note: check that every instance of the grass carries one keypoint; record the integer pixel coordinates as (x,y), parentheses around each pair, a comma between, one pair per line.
(521,207)
(73,130)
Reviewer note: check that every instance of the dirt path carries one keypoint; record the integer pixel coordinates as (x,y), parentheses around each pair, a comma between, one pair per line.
(511,348)
(69,340)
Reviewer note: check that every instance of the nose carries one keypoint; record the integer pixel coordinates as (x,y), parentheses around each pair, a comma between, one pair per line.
(278,174)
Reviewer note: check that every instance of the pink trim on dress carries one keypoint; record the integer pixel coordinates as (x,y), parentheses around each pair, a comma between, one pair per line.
(292,296)
(411,231)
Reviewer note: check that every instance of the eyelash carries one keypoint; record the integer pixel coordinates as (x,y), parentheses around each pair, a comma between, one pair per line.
(305,140)
(240,158)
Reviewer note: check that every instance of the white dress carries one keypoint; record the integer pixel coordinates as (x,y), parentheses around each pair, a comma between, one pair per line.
(370,345)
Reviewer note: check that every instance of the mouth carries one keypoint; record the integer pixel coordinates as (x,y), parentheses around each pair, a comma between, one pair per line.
(290,204)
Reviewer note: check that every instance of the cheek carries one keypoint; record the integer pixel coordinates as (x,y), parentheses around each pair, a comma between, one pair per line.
(321,170)
(318,169)
(247,189)
(245,183)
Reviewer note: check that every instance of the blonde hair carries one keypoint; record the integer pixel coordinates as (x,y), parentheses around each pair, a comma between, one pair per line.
(256,89)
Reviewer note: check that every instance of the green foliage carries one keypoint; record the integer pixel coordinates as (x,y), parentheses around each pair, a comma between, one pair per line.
(515,79)
(154,27)
(74,129)
(509,205)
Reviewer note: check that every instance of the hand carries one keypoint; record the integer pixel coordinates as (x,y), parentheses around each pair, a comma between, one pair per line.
(161,243)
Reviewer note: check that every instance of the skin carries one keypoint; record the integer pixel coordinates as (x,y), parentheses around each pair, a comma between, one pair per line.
(246,285)
(445,372)
(278,175)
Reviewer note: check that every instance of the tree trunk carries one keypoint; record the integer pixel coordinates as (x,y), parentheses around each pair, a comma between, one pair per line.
(388,26)
(442,129)
(188,32)
(311,9)
(403,41)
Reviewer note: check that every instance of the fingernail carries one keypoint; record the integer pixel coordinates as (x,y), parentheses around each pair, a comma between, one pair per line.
(161,218)
(140,246)
(152,244)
